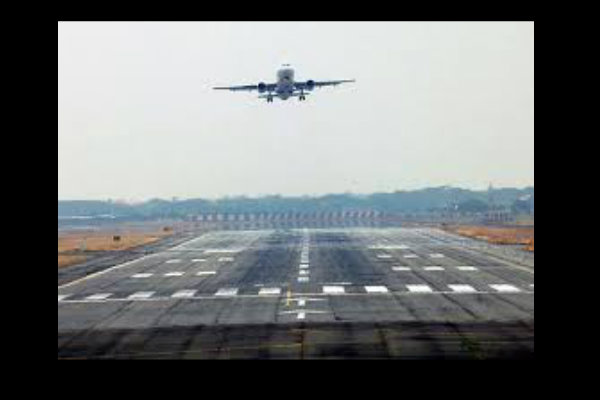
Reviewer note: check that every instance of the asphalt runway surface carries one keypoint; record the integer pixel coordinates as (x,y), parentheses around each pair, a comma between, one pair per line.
(304,294)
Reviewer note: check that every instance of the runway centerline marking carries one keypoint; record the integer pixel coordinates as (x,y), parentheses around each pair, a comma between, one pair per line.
(174,262)
(304,266)
(505,288)
(174,274)
(206,273)
(270,292)
(226,259)
(384,256)
(199,260)
(185,294)
(434,269)
(99,297)
(63,297)
(303,279)
(419,289)
(400,269)
(463,288)
(411,256)
(141,296)
(437,255)
(376,289)
(227,292)
(304,273)
(142,276)
(468,269)
(334,290)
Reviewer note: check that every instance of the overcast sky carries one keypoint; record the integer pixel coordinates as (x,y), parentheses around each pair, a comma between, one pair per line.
(434,104)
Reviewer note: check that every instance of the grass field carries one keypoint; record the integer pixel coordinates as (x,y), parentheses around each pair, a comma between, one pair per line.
(498,235)
(74,248)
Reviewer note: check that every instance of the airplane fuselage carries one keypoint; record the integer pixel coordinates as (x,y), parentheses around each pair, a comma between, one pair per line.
(285,83)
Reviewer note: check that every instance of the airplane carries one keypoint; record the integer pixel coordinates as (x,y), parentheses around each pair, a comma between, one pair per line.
(286,86)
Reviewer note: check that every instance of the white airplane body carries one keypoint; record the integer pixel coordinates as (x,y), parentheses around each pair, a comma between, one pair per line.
(286,86)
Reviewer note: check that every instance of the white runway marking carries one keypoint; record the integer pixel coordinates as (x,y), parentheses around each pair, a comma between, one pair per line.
(198,260)
(303,279)
(206,273)
(419,289)
(226,259)
(400,269)
(505,288)
(376,289)
(174,274)
(389,247)
(142,276)
(174,262)
(384,256)
(304,266)
(141,296)
(434,269)
(334,290)
(270,292)
(468,269)
(437,255)
(301,303)
(411,256)
(184,294)
(530,285)
(304,273)
(63,297)
(222,251)
(463,288)
(227,292)
(301,316)
(99,297)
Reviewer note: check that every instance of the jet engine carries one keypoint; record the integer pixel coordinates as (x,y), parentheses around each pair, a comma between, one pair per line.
(262,87)
(310,85)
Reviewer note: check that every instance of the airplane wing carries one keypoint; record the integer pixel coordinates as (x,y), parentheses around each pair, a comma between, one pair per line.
(248,88)
(312,84)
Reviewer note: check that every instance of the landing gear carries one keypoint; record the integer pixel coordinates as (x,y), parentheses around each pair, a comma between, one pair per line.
(269,99)
(302,97)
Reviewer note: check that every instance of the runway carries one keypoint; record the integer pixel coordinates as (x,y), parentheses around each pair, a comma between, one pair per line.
(355,293)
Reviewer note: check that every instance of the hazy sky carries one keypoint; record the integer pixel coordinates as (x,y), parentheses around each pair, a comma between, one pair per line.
(434,104)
